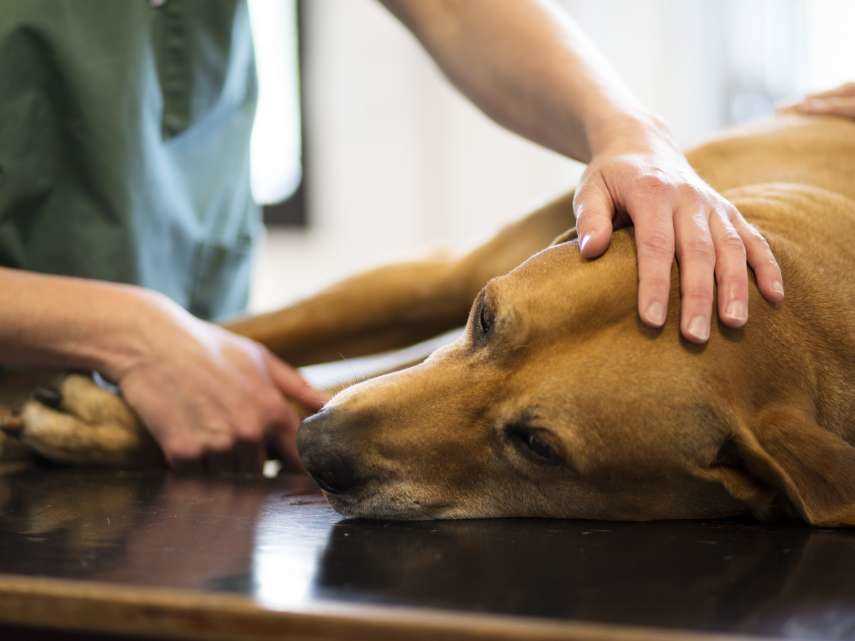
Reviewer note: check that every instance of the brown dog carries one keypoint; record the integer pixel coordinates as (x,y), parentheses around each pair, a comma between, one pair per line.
(557,401)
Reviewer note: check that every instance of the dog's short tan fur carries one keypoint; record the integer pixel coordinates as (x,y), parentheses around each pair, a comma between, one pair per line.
(638,423)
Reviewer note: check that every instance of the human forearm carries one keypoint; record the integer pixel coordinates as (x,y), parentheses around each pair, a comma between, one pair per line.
(198,388)
(56,321)
(529,67)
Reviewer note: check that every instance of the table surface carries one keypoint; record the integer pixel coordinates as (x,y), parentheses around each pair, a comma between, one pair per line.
(144,553)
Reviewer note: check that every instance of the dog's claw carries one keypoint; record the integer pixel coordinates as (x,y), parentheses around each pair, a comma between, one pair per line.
(48,396)
(11,425)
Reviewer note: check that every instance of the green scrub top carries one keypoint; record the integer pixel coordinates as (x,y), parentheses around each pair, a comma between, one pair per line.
(124,145)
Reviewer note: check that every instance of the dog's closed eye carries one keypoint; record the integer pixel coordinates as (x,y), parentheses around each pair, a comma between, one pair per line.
(483,319)
(728,456)
(535,443)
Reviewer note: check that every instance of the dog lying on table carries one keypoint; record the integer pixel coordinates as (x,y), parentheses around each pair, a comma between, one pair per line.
(557,401)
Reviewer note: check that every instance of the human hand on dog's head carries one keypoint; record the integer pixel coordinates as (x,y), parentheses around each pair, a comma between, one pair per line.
(637,176)
(839,101)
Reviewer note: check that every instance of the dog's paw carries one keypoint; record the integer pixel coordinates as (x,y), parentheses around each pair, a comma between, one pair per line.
(79,423)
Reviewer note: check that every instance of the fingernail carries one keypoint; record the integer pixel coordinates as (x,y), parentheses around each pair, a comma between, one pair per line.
(812,104)
(699,328)
(778,288)
(736,311)
(656,313)
(584,241)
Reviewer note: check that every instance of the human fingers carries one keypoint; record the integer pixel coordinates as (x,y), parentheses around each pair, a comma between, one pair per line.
(696,254)
(653,218)
(290,383)
(283,434)
(594,212)
(846,89)
(832,106)
(760,258)
(731,269)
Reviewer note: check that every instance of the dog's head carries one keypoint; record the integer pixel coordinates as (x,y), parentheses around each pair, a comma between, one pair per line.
(557,402)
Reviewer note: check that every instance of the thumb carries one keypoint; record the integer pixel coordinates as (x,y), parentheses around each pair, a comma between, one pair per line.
(594,211)
(290,383)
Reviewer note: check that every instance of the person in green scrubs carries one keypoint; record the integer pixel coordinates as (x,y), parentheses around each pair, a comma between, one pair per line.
(127,224)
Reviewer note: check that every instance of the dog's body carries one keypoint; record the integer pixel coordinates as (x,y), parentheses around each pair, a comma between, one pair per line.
(557,401)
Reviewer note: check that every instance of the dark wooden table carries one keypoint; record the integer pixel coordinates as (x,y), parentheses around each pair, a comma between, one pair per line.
(159,556)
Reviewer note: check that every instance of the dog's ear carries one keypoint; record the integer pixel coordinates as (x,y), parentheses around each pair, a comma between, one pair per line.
(568,235)
(786,461)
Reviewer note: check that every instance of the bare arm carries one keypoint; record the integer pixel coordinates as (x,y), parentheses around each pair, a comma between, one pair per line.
(70,323)
(199,389)
(529,67)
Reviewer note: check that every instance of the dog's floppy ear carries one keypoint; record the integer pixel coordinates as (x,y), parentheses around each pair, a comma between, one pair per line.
(788,461)
(568,235)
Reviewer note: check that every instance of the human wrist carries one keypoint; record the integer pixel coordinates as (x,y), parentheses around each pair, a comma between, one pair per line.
(624,129)
(131,337)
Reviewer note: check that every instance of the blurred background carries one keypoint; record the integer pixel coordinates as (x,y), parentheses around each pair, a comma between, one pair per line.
(363,154)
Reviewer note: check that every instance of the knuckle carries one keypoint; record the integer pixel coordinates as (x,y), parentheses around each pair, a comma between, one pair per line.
(698,293)
(732,279)
(771,264)
(730,212)
(656,283)
(249,346)
(698,249)
(691,195)
(655,183)
(755,235)
(657,244)
(731,268)
(731,243)
(761,247)
(582,196)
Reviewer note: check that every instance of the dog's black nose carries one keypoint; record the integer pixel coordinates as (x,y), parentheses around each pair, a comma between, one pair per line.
(335,475)
(323,448)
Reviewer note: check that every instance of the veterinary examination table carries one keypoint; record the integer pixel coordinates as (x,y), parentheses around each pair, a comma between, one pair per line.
(121,555)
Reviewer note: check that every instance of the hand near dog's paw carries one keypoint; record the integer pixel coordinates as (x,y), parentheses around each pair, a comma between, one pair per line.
(210,398)
(640,177)
(839,101)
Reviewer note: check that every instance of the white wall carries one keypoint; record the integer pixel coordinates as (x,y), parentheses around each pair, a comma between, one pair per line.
(401,164)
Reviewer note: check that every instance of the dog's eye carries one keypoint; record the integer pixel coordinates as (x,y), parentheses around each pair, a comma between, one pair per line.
(485,320)
(534,443)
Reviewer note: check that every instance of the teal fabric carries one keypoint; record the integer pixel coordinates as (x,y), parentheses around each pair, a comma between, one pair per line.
(124,145)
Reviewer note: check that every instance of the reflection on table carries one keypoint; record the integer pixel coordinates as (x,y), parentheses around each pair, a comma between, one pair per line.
(277,543)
